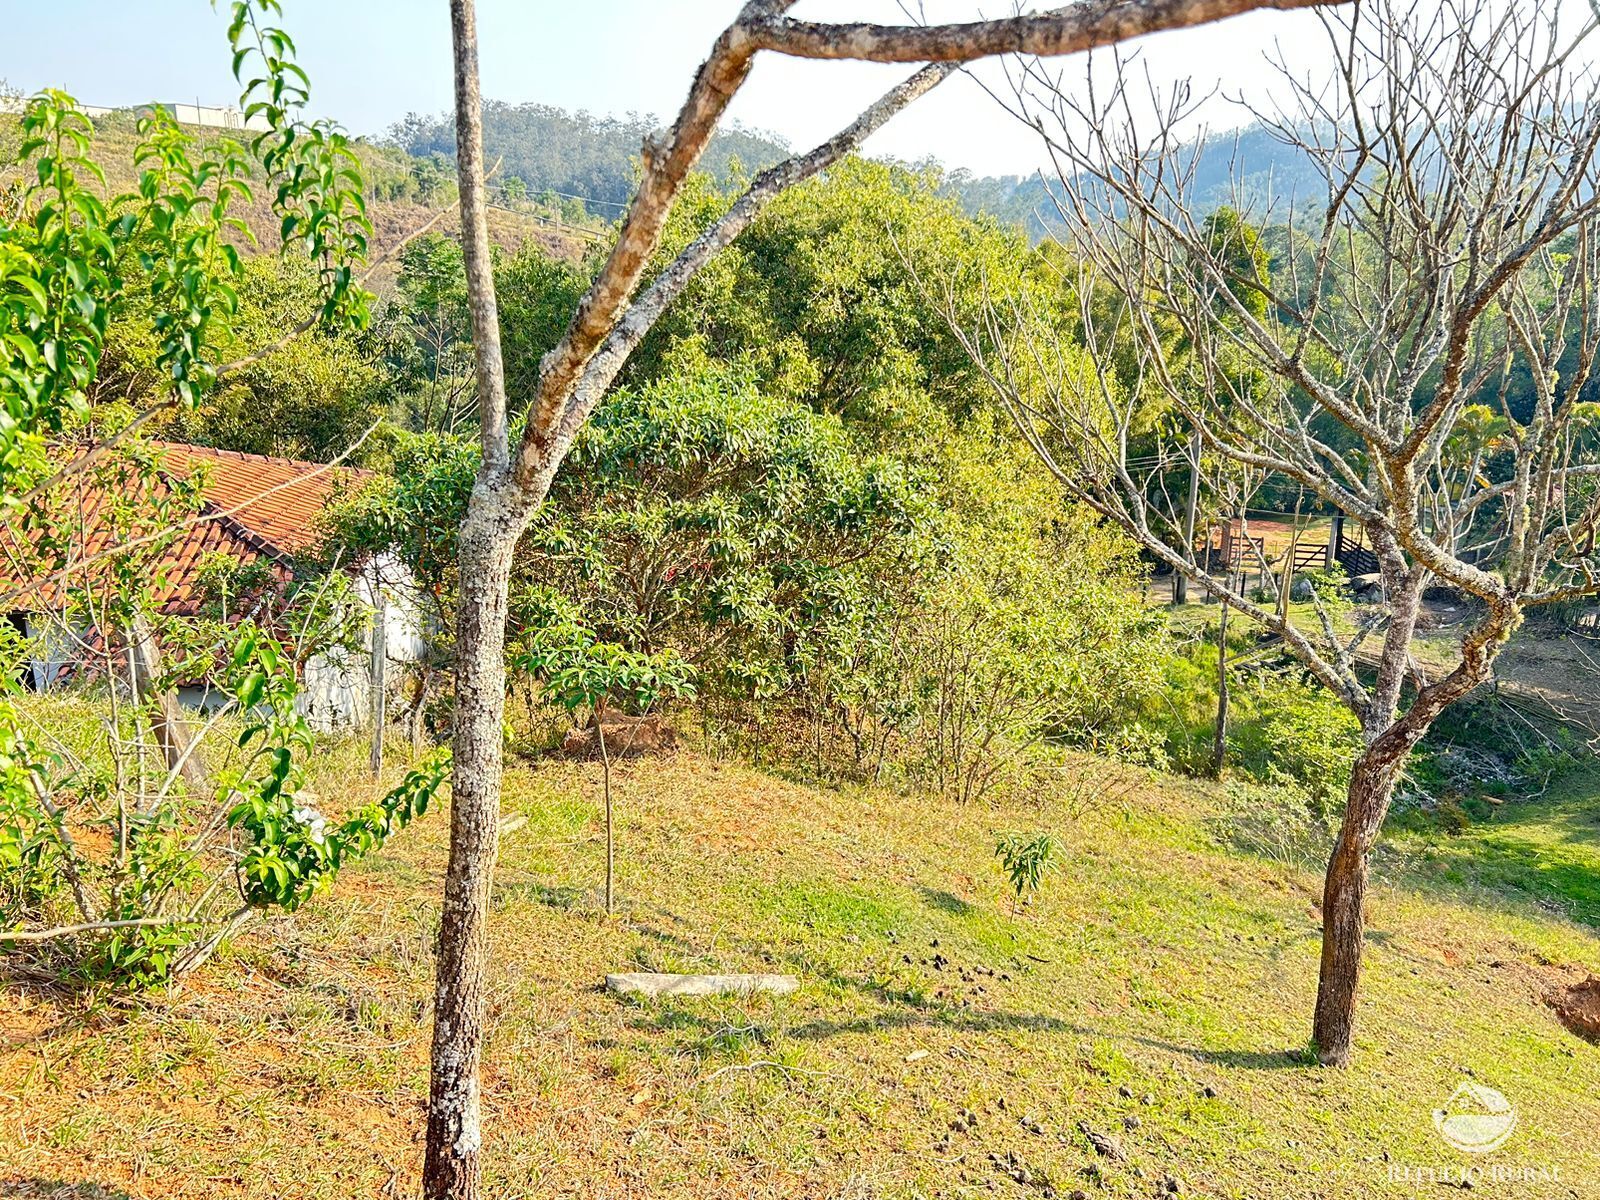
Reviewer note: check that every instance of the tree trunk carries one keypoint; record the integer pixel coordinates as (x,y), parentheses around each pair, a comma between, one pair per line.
(1219,746)
(1344,897)
(488,540)
(172,732)
(611,853)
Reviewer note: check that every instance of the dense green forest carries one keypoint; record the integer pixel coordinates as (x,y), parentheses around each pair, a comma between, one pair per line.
(577,155)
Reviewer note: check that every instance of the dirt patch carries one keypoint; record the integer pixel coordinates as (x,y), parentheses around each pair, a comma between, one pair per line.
(1578,1007)
(626,737)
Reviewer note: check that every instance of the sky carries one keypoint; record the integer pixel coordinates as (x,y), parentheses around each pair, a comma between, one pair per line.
(373,61)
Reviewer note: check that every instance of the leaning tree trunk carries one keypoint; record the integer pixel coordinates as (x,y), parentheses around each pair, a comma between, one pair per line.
(1344,892)
(488,541)
(1372,781)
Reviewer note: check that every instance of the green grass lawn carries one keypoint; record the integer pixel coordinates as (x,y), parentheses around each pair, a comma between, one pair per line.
(1159,992)
(1544,850)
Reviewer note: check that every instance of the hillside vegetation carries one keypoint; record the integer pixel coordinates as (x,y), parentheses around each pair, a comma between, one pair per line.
(838,517)
(943,1043)
(403,194)
(593,159)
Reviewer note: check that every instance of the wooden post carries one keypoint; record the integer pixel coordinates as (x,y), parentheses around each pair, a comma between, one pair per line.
(1227,547)
(1180,581)
(172,732)
(1286,587)
(380,660)
(1219,744)
(1335,542)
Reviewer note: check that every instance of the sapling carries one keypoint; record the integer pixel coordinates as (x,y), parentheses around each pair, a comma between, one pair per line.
(579,671)
(1026,859)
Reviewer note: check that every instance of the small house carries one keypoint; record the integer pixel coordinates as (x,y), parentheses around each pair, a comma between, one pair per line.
(261,512)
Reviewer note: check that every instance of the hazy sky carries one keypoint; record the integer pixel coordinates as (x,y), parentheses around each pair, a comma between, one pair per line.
(371,62)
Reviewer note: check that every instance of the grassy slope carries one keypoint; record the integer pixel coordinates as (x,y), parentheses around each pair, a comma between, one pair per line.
(393,220)
(1156,962)
(1545,850)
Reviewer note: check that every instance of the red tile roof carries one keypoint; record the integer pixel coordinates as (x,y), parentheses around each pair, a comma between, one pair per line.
(255,508)
(276,499)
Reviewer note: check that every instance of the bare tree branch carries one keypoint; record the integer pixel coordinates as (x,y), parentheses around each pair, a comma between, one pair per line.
(1066,30)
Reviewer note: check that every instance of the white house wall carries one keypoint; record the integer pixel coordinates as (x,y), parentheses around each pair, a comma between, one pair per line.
(57,646)
(336,687)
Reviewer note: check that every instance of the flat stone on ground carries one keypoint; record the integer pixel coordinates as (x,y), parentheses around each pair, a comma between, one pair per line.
(659,983)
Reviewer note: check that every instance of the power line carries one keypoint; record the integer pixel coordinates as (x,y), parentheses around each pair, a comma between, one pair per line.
(587,200)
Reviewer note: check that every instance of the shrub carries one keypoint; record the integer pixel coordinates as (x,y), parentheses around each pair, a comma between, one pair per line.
(136,879)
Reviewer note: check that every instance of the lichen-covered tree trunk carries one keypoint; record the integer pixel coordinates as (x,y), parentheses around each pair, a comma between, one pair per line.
(488,539)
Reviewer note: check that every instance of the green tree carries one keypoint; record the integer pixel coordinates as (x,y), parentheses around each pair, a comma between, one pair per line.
(819,297)
(313,399)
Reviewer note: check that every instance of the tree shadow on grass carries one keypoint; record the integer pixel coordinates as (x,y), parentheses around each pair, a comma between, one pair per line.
(678,1019)
(899,1011)
(715,1032)
(991,1021)
(945,902)
(1243,1060)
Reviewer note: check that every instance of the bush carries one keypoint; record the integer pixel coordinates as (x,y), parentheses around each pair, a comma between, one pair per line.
(1283,729)
(114,871)
(1277,823)
(1034,632)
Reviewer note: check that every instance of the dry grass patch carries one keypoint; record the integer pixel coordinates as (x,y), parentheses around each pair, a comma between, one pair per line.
(1157,992)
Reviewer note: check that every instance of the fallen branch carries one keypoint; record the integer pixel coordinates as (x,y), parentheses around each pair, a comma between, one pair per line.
(45,935)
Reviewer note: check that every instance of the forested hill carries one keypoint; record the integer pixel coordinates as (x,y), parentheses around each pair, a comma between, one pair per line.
(576,154)
(1270,174)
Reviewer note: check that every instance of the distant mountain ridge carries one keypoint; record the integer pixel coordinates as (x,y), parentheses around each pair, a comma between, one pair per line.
(578,154)
(1270,175)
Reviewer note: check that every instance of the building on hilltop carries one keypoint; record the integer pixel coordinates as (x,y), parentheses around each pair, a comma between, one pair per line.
(207,116)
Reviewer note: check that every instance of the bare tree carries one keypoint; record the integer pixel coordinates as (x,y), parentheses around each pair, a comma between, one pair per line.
(608,325)
(1449,251)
